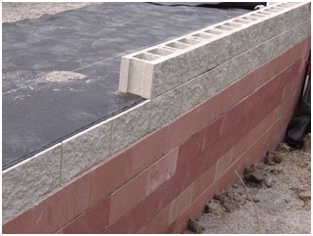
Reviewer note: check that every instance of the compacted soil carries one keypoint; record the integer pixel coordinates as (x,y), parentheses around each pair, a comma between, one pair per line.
(279,199)
(14,11)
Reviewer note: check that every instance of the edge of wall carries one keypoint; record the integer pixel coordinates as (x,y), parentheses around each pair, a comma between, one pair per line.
(36,178)
(156,70)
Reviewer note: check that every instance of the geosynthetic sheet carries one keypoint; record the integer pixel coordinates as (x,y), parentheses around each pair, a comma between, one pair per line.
(60,72)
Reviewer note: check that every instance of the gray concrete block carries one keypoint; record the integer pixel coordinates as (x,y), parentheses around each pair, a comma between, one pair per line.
(85,150)
(238,66)
(245,39)
(165,109)
(272,27)
(218,79)
(192,93)
(297,15)
(25,183)
(130,126)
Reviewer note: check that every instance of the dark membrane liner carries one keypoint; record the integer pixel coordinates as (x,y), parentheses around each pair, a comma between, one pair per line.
(37,111)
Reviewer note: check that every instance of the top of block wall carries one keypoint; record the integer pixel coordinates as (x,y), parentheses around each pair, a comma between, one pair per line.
(155,70)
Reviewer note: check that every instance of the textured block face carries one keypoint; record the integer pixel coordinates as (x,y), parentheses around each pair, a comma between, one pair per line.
(85,150)
(31,179)
(245,39)
(192,93)
(166,66)
(129,126)
(164,109)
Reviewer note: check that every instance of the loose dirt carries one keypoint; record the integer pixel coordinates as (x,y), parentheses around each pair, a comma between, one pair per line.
(280,188)
(14,11)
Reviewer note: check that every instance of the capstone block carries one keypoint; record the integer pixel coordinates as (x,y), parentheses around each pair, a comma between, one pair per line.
(165,109)
(154,71)
(28,181)
(130,126)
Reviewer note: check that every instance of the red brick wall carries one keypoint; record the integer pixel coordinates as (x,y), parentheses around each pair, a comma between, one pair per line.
(156,184)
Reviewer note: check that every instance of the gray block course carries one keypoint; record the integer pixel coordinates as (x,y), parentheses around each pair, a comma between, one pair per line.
(165,109)
(85,150)
(130,126)
(27,182)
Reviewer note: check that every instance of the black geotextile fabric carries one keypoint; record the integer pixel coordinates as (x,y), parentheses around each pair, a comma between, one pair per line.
(36,112)
(300,124)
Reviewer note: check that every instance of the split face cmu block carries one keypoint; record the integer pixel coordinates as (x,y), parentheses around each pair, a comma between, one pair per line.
(164,109)
(156,70)
(85,150)
(25,183)
(129,126)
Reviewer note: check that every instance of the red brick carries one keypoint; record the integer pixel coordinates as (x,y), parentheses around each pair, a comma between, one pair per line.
(93,221)
(148,150)
(162,170)
(203,182)
(226,99)
(179,131)
(237,133)
(265,109)
(198,205)
(271,68)
(60,231)
(283,62)
(278,111)
(22,224)
(158,223)
(126,197)
(63,206)
(235,92)
(204,113)
(261,75)
(251,103)
(232,117)
(270,88)
(242,146)
(171,229)
(289,87)
(261,127)
(108,176)
(181,203)
(181,223)
(223,163)
(229,177)
(143,212)
(217,150)
(245,85)
(212,133)
(189,150)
